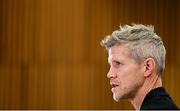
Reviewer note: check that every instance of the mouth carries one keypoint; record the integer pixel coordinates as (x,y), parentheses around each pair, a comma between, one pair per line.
(114,85)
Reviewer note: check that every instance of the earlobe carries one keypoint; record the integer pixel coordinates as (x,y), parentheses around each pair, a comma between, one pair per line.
(149,65)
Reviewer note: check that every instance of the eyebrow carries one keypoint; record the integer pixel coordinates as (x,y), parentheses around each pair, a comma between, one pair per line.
(113,60)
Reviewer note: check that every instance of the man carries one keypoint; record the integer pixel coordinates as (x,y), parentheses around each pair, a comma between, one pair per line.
(137,60)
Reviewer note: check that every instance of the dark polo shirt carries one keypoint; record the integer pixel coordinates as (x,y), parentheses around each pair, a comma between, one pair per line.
(158,99)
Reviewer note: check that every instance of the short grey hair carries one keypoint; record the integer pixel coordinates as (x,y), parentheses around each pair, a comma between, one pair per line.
(142,42)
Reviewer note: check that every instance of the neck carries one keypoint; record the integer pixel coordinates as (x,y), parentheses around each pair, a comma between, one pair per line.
(149,84)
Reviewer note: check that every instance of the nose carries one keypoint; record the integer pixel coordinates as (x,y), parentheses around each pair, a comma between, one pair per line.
(111,74)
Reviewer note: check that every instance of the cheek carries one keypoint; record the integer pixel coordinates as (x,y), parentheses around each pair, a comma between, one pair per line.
(130,76)
(136,78)
(124,78)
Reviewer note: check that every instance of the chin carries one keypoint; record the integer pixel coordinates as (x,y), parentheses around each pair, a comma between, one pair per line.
(117,98)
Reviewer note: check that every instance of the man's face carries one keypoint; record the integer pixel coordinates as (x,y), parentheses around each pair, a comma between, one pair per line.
(125,74)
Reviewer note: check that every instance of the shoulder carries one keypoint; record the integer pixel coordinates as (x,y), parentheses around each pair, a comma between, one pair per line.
(158,99)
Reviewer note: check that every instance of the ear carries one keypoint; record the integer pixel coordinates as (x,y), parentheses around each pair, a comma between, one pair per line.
(149,65)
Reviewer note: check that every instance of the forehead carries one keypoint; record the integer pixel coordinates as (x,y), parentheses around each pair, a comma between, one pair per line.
(119,49)
(119,52)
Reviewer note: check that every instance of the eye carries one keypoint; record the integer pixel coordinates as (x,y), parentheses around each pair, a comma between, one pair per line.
(117,63)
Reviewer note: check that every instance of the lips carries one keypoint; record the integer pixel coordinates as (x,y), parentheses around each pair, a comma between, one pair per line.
(113,85)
